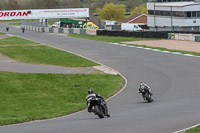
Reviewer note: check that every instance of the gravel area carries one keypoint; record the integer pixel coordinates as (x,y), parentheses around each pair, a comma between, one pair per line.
(170,44)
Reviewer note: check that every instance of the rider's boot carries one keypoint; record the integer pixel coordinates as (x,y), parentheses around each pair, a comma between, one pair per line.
(90,110)
(144,97)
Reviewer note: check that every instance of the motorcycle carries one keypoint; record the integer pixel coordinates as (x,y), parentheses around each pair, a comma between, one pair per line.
(147,95)
(97,105)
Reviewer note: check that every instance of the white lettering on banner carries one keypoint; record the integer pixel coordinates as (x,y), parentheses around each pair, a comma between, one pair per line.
(45,13)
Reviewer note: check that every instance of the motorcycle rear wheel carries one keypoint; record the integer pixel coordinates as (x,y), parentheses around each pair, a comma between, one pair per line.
(98,111)
(148,97)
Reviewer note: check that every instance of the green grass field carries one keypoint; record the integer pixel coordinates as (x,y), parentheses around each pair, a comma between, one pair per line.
(193,130)
(27,97)
(8,21)
(16,24)
(110,38)
(2,33)
(32,52)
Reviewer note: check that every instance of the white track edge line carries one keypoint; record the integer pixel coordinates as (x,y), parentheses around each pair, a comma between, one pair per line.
(156,50)
(180,131)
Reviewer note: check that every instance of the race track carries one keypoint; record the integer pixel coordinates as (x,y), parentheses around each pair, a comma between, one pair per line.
(173,78)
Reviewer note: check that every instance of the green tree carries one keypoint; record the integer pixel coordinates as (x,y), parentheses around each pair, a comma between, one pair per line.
(142,9)
(112,12)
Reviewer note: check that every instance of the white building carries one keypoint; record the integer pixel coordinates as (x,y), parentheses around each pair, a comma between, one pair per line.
(174,15)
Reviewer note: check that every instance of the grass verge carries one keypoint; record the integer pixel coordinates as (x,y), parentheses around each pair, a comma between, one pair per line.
(193,130)
(16,24)
(2,33)
(110,38)
(32,52)
(7,21)
(27,97)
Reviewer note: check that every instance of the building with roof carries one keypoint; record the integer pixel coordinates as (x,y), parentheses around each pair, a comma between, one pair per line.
(137,18)
(173,15)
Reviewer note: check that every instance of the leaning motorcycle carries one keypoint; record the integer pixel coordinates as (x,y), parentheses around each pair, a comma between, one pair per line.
(97,105)
(147,95)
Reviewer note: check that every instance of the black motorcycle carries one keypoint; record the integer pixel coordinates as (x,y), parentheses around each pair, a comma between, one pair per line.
(97,105)
(147,95)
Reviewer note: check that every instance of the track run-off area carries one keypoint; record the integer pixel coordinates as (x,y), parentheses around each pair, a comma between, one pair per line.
(174,80)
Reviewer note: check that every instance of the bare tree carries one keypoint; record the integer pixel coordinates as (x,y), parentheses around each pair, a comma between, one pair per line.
(48,4)
(12,5)
(42,4)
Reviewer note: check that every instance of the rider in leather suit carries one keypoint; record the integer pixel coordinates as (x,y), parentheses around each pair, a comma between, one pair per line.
(91,91)
(144,86)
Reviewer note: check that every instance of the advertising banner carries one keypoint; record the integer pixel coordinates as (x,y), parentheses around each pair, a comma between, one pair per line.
(44,13)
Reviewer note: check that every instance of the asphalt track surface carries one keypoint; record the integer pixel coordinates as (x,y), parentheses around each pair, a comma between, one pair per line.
(174,79)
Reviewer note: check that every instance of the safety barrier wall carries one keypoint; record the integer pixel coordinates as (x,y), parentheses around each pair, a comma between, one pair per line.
(187,36)
(83,31)
(197,38)
(184,37)
(46,30)
(65,30)
(61,30)
(91,32)
(137,34)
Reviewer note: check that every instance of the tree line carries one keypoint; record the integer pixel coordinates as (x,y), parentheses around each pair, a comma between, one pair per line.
(117,12)
(50,4)
(106,9)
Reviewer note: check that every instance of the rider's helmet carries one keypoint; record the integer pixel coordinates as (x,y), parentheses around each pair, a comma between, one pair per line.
(90,91)
(142,86)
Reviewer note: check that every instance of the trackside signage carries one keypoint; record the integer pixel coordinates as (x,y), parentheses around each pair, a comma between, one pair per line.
(44,13)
